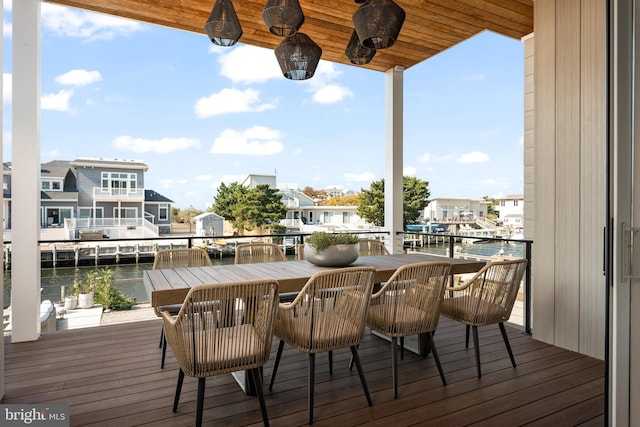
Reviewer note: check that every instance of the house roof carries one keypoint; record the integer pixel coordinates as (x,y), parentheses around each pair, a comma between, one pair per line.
(109,163)
(55,169)
(152,196)
(59,196)
(430,27)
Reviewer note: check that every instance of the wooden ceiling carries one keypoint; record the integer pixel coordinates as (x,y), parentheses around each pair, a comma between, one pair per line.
(431,26)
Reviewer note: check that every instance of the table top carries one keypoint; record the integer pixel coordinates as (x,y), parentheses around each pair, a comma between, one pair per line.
(171,285)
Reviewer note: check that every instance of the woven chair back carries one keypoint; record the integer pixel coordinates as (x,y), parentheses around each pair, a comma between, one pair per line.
(178,258)
(259,252)
(489,296)
(409,302)
(329,312)
(223,327)
(371,247)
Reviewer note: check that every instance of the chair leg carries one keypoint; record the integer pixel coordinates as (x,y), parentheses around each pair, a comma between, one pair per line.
(257,380)
(200,405)
(401,348)
(466,341)
(506,342)
(178,390)
(275,364)
(356,359)
(330,362)
(394,365)
(311,384)
(161,337)
(351,360)
(432,346)
(476,348)
(164,352)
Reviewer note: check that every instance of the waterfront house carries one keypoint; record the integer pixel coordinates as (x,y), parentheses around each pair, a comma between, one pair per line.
(511,211)
(452,209)
(580,99)
(106,196)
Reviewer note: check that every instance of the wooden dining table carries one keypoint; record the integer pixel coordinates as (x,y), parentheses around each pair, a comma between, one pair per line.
(170,285)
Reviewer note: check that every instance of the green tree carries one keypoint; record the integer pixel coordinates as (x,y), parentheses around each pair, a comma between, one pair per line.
(491,211)
(260,206)
(415,197)
(249,208)
(226,200)
(346,200)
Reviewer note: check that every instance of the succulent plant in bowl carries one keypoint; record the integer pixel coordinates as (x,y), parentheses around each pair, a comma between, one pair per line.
(331,249)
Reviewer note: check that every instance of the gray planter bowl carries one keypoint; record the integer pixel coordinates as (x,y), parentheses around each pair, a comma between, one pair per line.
(333,256)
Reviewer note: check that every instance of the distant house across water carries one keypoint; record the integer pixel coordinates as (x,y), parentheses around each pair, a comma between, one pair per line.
(94,194)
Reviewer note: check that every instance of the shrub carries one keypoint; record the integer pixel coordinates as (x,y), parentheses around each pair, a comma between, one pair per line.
(321,240)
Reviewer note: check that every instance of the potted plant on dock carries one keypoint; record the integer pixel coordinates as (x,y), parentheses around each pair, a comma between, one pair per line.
(331,249)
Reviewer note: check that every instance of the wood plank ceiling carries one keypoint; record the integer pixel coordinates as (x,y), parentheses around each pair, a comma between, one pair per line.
(431,26)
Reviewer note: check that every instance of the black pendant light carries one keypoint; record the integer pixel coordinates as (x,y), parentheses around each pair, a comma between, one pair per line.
(358,54)
(298,56)
(223,26)
(378,23)
(283,17)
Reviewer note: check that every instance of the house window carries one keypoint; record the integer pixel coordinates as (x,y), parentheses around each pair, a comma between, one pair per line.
(89,213)
(346,217)
(515,203)
(51,185)
(503,203)
(119,183)
(125,213)
(163,212)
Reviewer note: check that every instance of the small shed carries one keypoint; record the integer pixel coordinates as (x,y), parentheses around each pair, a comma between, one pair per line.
(209,224)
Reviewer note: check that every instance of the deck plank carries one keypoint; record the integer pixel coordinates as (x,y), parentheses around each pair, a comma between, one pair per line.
(110,375)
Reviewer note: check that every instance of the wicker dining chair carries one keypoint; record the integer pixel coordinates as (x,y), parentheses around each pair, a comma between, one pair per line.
(223,328)
(176,258)
(328,314)
(372,247)
(259,252)
(486,299)
(409,304)
(250,253)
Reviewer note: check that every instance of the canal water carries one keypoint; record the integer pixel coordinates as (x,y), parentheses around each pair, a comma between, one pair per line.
(128,277)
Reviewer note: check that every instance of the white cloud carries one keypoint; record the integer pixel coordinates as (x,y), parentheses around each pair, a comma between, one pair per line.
(230,101)
(57,101)
(331,93)
(7,88)
(161,146)
(521,141)
(203,177)
(67,22)
(79,78)
(474,157)
(167,183)
(499,183)
(255,141)
(474,77)
(360,177)
(7,28)
(426,157)
(228,179)
(297,151)
(409,171)
(248,64)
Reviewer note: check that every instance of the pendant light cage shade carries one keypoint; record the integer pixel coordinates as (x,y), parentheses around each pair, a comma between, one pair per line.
(378,23)
(223,26)
(298,56)
(358,54)
(283,17)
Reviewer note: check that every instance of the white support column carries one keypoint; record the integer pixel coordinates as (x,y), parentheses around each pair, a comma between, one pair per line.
(2,204)
(25,194)
(393,164)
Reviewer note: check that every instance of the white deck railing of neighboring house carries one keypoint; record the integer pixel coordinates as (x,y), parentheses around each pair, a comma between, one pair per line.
(118,193)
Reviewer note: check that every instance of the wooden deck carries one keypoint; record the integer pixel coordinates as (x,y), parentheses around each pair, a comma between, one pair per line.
(111,376)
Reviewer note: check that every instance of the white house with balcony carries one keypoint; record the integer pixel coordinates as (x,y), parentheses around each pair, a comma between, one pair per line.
(455,210)
(511,210)
(102,195)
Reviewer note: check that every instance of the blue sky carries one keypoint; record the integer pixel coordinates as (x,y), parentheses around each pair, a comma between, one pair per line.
(199,115)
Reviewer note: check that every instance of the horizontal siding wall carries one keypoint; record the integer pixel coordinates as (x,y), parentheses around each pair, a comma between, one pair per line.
(569,174)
